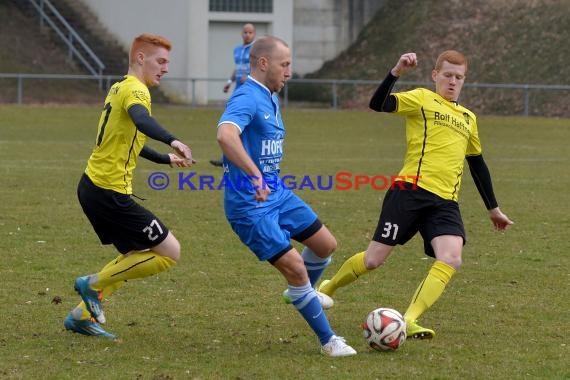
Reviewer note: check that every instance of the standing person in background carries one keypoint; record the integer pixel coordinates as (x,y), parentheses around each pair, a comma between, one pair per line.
(145,244)
(441,134)
(265,215)
(241,58)
(241,68)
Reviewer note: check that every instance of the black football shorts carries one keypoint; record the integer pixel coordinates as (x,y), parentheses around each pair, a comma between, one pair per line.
(118,219)
(408,210)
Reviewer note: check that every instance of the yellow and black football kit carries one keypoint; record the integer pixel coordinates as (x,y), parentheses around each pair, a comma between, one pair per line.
(118,141)
(106,187)
(440,134)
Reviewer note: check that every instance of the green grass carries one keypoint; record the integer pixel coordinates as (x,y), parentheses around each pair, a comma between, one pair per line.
(218,315)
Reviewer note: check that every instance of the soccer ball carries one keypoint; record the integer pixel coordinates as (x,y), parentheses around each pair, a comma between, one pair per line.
(384,329)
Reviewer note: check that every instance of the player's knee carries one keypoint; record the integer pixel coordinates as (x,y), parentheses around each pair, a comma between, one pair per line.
(453,261)
(176,251)
(376,256)
(373,261)
(170,247)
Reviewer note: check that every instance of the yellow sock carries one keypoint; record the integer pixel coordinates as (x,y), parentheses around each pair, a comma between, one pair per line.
(349,271)
(430,289)
(80,311)
(133,266)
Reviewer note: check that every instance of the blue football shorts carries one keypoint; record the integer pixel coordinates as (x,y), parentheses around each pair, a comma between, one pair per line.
(269,235)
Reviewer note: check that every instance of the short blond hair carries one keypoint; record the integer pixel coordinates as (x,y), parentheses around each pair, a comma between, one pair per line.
(264,47)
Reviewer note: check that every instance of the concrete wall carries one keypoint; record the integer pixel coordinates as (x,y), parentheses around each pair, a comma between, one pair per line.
(188,25)
(316,30)
(324,28)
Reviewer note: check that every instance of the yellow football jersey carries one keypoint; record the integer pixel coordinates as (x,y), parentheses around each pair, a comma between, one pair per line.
(439,134)
(118,142)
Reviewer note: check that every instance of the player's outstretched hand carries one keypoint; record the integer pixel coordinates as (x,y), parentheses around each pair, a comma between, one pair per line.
(500,221)
(407,62)
(178,161)
(183,152)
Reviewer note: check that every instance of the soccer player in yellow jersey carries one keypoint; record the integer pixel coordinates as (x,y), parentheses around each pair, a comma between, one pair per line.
(440,135)
(145,244)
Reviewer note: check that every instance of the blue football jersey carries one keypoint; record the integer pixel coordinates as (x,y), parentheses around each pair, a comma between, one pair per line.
(254,110)
(241,61)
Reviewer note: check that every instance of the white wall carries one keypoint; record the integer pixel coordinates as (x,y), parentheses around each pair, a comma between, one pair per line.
(224,33)
(220,53)
(188,25)
(316,31)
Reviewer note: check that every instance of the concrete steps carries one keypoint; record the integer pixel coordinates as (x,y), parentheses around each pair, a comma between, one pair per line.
(107,48)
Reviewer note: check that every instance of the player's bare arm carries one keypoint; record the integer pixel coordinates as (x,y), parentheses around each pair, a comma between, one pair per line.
(407,62)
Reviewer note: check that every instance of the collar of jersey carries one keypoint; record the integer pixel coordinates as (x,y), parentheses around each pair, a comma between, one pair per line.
(260,84)
(452,102)
(130,76)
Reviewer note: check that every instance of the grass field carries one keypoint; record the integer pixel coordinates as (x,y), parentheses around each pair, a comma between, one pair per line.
(218,314)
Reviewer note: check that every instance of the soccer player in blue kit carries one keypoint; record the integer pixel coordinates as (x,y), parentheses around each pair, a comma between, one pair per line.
(241,58)
(264,214)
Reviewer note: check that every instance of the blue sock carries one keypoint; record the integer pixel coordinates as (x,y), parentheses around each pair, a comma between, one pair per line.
(315,265)
(307,303)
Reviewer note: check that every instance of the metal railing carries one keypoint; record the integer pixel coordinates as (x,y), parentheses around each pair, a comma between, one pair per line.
(332,93)
(50,15)
(335,84)
(104,81)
